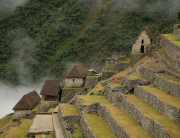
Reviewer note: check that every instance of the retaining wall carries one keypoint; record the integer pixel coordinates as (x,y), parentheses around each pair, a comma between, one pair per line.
(153,100)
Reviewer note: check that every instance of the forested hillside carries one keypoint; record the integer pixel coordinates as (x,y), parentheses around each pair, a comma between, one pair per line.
(41,37)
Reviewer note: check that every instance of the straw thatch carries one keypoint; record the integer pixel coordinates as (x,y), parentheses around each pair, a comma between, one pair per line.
(78,71)
(28,101)
(51,88)
(148,31)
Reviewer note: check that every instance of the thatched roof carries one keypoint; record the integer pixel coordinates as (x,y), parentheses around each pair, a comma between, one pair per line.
(28,101)
(148,31)
(51,88)
(78,71)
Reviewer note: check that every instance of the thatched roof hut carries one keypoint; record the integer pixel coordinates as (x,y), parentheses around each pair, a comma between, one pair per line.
(78,71)
(51,88)
(28,101)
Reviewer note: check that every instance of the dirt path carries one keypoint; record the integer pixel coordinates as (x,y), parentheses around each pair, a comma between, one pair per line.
(57,127)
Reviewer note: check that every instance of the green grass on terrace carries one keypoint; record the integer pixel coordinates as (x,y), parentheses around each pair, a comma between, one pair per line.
(168,77)
(127,60)
(172,38)
(135,77)
(77,132)
(119,115)
(171,127)
(68,109)
(110,71)
(163,96)
(99,127)
(51,110)
(92,76)
(5,120)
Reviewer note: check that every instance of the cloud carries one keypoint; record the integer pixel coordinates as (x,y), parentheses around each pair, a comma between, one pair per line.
(10,95)
(10,5)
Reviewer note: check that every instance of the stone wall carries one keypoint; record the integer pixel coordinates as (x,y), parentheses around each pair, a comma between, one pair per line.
(68,94)
(87,131)
(136,48)
(112,64)
(45,106)
(63,125)
(167,85)
(92,80)
(50,98)
(107,74)
(172,50)
(176,29)
(153,127)
(74,82)
(153,100)
(136,57)
(113,124)
(177,64)
(21,113)
(123,66)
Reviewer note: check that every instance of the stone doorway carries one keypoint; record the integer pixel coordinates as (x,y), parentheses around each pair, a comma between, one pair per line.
(142,49)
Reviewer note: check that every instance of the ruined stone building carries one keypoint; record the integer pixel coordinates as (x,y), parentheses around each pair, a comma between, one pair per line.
(51,90)
(141,45)
(25,105)
(76,76)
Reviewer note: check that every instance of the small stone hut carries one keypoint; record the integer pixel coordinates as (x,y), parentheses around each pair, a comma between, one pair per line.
(51,90)
(142,41)
(76,76)
(25,105)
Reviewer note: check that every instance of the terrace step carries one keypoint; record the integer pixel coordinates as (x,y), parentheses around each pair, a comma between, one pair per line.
(156,123)
(167,83)
(165,103)
(117,119)
(94,127)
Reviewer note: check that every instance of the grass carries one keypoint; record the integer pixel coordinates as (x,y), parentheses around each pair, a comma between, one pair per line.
(71,88)
(77,132)
(169,77)
(171,127)
(119,115)
(51,110)
(5,120)
(19,131)
(163,96)
(127,60)
(92,77)
(97,90)
(173,38)
(162,52)
(68,109)
(36,108)
(99,127)
(114,71)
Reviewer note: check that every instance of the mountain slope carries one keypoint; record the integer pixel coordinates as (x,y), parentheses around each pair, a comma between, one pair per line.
(39,38)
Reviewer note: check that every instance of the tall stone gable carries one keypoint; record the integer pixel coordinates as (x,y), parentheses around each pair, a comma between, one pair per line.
(142,41)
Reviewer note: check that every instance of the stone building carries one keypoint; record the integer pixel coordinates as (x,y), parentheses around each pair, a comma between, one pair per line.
(76,76)
(141,45)
(142,41)
(51,90)
(25,105)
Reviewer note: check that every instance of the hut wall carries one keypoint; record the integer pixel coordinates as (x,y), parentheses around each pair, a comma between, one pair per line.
(22,113)
(74,82)
(138,43)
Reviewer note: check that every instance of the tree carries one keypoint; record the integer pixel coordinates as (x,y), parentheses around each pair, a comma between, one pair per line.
(179,16)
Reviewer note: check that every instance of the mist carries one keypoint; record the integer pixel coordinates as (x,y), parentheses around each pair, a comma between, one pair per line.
(10,95)
(10,5)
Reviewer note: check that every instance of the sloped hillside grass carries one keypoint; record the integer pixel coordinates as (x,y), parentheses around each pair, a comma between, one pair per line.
(39,38)
(172,38)
(5,120)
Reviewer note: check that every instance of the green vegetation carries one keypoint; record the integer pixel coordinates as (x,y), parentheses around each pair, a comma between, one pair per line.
(127,60)
(5,120)
(119,115)
(36,109)
(51,110)
(163,96)
(115,71)
(68,109)
(71,88)
(77,132)
(98,126)
(171,127)
(92,76)
(169,77)
(135,77)
(39,38)
(172,38)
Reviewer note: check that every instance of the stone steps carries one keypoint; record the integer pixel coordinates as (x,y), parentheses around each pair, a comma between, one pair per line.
(94,127)
(156,123)
(167,83)
(159,99)
(122,124)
